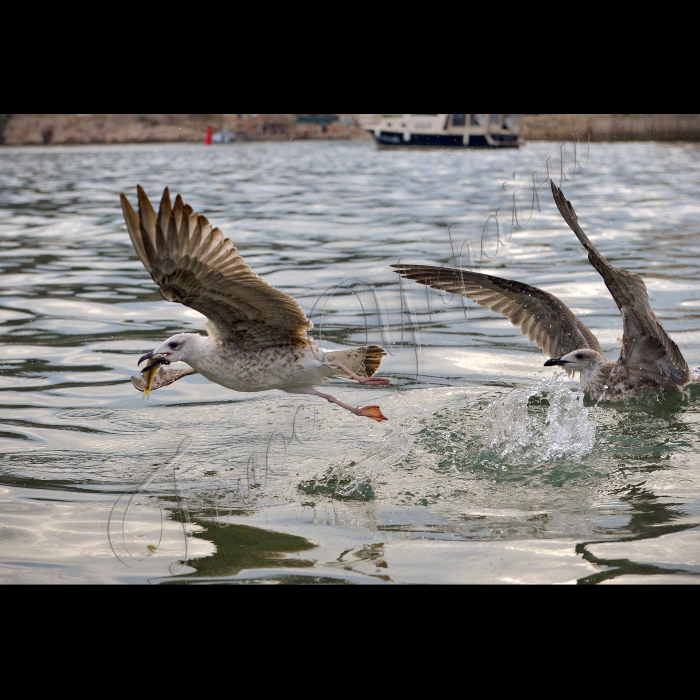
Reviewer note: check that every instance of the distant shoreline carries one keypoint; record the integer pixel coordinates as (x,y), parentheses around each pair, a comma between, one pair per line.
(611,127)
(86,129)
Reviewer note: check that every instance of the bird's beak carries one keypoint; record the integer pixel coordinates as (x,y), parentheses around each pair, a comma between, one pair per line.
(556,361)
(155,358)
(147,356)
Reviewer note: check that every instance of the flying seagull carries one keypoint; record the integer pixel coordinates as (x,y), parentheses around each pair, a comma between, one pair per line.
(649,360)
(257,337)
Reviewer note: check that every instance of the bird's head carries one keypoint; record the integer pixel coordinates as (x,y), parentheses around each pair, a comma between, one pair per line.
(585,361)
(176,348)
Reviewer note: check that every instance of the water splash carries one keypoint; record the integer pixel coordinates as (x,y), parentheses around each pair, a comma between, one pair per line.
(517,430)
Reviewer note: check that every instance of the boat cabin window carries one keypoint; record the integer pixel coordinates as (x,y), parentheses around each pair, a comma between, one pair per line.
(477,120)
(459,119)
(505,121)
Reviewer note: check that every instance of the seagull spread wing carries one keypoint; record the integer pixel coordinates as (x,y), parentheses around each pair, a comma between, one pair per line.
(546,320)
(647,350)
(193,264)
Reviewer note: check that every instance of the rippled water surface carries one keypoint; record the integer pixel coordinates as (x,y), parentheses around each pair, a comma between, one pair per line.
(490,468)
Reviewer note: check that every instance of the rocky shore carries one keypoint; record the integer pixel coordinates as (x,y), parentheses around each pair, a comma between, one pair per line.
(38,129)
(611,127)
(33,129)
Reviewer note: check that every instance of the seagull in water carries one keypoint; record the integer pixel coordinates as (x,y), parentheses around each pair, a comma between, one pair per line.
(649,360)
(257,336)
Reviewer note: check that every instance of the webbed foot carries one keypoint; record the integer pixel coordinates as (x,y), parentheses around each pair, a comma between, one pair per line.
(373,412)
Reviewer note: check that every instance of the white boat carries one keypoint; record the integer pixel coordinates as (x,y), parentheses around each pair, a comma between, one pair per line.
(463,130)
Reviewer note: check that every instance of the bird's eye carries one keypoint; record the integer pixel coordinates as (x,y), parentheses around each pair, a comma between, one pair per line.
(173,345)
(579,356)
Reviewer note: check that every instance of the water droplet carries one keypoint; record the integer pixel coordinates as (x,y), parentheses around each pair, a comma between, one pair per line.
(605,386)
(521,434)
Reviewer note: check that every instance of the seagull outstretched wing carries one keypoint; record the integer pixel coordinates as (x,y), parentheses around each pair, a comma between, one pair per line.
(193,264)
(546,320)
(647,350)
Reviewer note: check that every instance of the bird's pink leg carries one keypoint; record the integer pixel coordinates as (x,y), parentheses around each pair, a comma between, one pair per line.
(361,380)
(373,412)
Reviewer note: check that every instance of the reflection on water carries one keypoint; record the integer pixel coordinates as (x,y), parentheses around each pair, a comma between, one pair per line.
(487,470)
(241,547)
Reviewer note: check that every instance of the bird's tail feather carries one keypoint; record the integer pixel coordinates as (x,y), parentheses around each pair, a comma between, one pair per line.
(364,361)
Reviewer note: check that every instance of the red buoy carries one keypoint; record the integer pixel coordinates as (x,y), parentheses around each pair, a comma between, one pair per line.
(207,138)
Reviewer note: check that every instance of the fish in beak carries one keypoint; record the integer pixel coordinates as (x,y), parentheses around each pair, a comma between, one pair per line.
(151,369)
